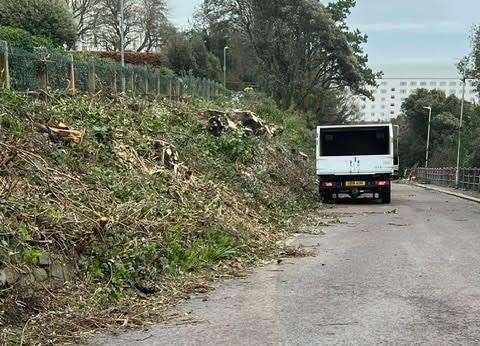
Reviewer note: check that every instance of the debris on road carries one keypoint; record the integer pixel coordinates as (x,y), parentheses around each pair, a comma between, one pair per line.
(393,211)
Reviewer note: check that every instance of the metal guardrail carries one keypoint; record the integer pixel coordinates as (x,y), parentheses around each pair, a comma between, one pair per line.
(469,178)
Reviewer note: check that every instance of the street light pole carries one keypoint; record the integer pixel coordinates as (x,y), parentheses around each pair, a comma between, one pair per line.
(427,154)
(225,66)
(122,43)
(462,107)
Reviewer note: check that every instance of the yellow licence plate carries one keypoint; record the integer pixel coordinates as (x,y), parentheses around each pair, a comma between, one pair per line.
(354,183)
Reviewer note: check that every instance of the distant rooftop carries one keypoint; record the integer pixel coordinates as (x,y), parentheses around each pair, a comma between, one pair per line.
(417,71)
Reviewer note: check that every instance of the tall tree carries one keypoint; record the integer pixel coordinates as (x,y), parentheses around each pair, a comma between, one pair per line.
(145,23)
(301,45)
(107,31)
(474,58)
(154,24)
(85,14)
(444,127)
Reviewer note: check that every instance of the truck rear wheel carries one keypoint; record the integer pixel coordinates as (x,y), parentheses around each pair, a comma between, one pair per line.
(386,196)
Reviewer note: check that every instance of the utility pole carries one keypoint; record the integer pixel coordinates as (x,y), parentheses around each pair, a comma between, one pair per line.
(427,154)
(225,66)
(122,43)
(462,107)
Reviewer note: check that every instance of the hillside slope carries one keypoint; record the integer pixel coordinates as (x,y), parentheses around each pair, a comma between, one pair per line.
(110,209)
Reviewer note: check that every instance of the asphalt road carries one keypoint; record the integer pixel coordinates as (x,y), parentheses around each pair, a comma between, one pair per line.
(408,273)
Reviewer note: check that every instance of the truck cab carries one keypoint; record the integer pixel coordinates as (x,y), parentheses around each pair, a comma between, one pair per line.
(355,160)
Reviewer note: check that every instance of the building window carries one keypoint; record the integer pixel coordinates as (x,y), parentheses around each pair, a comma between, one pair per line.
(383,91)
(413,83)
(373,106)
(433,84)
(392,97)
(443,83)
(393,89)
(423,83)
(392,112)
(403,91)
(403,83)
(392,104)
(384,83)
(384,99)
(383,106)
(453,84)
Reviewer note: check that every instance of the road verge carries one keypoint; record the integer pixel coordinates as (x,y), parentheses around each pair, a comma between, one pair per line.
(454,193)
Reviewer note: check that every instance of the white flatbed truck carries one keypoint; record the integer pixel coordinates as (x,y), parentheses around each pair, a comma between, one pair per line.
(355,160)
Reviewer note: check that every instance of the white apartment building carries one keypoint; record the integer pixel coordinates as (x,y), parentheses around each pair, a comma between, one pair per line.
(400,81)
(391,93)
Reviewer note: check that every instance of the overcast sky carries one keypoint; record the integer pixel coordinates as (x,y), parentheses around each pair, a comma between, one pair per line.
(400,31)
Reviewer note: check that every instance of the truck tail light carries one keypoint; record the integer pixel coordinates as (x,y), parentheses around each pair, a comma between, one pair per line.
(382,183)
(328,184)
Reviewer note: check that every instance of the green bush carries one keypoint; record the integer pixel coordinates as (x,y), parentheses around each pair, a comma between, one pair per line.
(235,148)
(23,39)
(47,18)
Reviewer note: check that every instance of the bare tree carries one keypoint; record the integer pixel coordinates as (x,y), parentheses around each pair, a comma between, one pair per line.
(85,14)
(145,23)
(107,30)
(154,24)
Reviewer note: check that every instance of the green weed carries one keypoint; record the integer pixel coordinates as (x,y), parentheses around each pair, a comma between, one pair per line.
(31,256)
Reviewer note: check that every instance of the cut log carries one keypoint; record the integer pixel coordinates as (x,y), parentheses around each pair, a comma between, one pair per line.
(220,123)
(61,132)
(250,120)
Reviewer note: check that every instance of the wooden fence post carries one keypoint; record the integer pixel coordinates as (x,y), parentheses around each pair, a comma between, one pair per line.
(194,87)
(132,82)
(42,76)
(91,78)
(179,89)
(200,88)
(71,75)
(114,83)
(145,81)
(4,68)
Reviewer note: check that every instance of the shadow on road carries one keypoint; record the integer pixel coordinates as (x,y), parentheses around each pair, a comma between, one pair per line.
(357,201)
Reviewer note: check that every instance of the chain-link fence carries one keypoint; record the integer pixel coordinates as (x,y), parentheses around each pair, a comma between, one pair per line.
(41,70)
(469,178)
